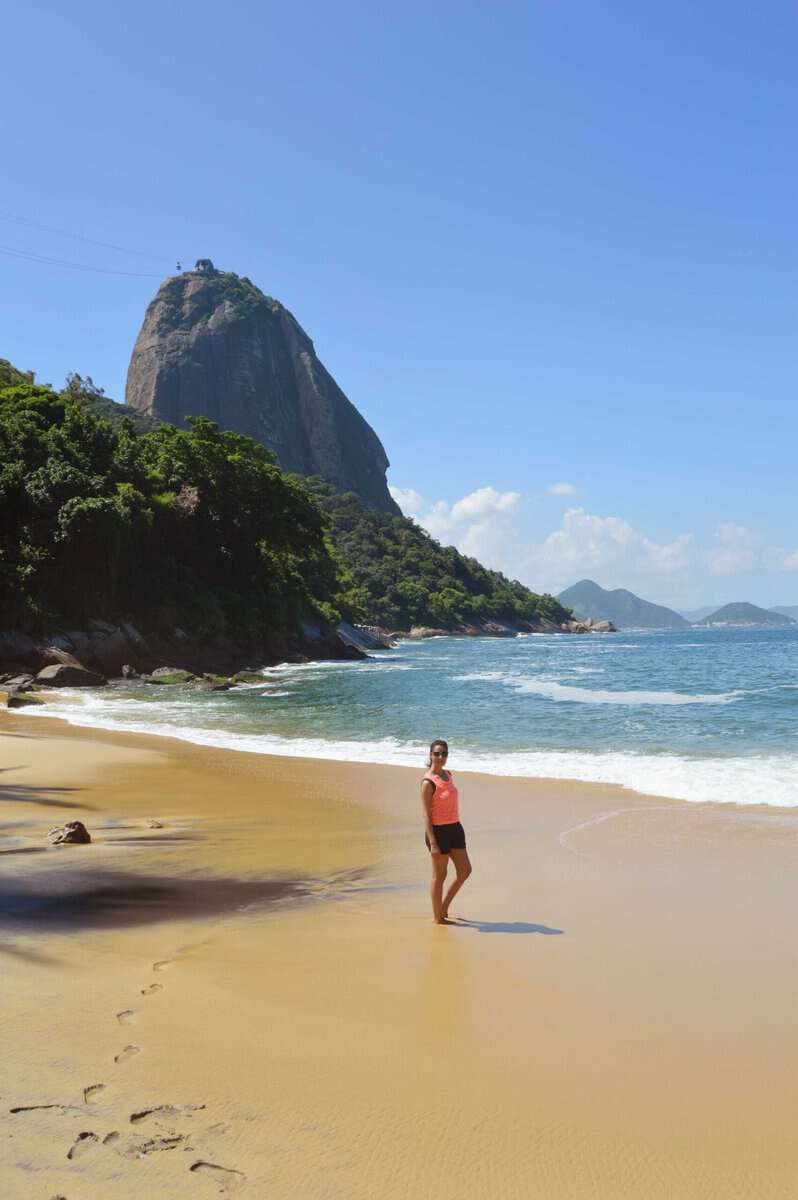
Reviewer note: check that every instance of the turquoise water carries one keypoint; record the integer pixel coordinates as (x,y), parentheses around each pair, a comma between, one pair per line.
(698,714)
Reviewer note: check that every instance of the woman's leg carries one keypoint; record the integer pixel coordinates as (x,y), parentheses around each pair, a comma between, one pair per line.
(462,865)
(440,865)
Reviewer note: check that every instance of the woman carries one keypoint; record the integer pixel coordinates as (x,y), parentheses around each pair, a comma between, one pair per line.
(445,836)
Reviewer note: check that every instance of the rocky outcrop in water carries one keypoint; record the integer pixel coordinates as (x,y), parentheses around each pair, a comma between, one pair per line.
(213,345)
(88,657)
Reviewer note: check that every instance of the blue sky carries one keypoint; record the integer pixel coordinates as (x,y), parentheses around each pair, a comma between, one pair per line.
(536,244)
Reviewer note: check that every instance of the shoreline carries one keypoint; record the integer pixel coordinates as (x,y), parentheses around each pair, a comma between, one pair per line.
(237,988)
(619,770)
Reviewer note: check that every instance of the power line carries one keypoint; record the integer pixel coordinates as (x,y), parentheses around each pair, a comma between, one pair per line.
(59,262)
(80,237)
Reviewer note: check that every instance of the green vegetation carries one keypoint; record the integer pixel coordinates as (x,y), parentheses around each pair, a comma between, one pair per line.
(106,516)
(402,577)
(80,387)
(198,528)
(10,376)
(218,286)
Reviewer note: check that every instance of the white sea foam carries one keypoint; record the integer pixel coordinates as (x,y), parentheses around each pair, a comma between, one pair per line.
(553,689)
(765,779)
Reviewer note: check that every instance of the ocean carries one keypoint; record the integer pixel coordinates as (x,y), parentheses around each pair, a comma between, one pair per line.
(696,714)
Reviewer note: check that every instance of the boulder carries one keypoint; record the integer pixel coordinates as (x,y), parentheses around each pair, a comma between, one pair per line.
(22,682)
(98,626)
(491,629)
(13,697)
(383,637)
(604,627)
(365,637)
(134,637)
(60,651)
(426,631)
(129,672)
(74,833)
(170,675)
(18,651)
(69,675)
(110,650)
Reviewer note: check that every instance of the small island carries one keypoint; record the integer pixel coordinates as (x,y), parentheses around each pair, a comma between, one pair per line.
(742,613)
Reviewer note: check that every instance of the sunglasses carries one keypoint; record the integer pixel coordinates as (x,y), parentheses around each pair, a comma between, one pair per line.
(439,753)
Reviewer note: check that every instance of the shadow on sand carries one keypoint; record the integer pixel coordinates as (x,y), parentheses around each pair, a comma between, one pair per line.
(48,796)
(108,899)
(505,926)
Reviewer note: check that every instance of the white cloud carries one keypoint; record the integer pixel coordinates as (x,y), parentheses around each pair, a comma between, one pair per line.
(482,503)
(489,525)
(409,500)
(561,489)
(479,524)
(738,549)
(586,544)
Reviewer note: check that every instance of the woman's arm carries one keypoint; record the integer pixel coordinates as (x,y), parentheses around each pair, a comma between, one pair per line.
(427,792)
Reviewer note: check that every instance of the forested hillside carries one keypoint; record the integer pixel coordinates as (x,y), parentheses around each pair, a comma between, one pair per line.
(403,577)
(121,518)
(198,529)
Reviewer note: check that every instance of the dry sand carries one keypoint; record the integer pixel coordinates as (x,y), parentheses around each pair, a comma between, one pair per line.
(250,998)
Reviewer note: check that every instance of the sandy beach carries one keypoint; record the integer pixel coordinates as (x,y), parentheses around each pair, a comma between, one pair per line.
(237,987)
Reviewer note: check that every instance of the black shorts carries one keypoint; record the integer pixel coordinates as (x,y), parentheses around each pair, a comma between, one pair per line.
(448,837)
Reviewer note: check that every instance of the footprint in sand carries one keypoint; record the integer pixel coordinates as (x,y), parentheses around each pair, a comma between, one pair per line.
(152,989)
(82,1143)
(165,1110)
(227,1179)
(155,1144)
(126,1053)
(126,1016)
(112,1137)
(92,1094)
(163,965)
(21,1108)
(219,1128)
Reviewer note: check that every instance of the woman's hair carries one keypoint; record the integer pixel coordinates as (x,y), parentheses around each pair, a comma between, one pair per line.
(432,745)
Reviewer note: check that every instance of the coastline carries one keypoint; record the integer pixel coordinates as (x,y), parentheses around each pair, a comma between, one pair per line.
(742,781)
(623,1033)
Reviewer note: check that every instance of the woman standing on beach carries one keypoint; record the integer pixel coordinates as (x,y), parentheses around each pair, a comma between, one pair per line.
(445,836)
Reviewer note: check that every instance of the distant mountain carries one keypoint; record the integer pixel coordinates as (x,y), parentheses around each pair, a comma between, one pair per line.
(786,610)
(746,614)
(694,615)
(623,608)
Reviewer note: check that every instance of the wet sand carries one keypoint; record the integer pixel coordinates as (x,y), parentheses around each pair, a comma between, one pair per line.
(237,990)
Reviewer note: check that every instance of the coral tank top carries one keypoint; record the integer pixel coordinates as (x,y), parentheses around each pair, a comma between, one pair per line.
(445,803)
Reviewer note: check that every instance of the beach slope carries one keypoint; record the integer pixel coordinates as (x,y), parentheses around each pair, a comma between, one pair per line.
(237,989)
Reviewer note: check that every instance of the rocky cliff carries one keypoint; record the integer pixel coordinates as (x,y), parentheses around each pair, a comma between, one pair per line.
(213,345)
